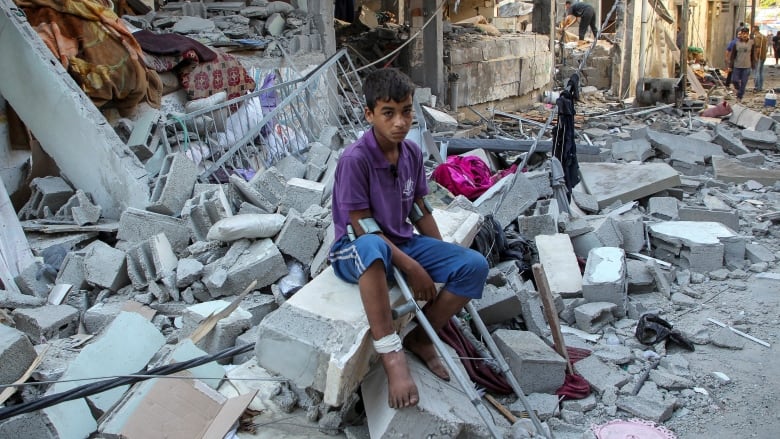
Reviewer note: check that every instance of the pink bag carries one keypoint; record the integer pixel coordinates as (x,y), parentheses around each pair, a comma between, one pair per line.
(468,176)
(720,110)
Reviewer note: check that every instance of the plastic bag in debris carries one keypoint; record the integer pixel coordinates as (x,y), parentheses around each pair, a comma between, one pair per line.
(295,279)
(253,226)
(651,329)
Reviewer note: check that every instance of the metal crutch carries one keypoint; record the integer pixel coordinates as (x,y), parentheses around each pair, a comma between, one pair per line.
(504,366)
(468,387)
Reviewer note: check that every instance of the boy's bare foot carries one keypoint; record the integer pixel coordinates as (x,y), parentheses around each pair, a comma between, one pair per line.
(419,343)
(402,392)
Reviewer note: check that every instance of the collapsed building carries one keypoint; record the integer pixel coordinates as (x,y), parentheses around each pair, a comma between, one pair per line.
(162,239)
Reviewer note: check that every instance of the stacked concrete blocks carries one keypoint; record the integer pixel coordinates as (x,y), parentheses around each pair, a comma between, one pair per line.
(48,195)
(204,210)
(605,278)
(174,184)
(150,261)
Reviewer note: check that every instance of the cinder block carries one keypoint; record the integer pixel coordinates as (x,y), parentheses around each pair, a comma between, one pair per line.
(16,354)
(204,210)
(105,266)
(259,305)
(600,375)
(545,405)
(101,315)
(244,263)
(299,237)
(544,220)
(29,281)
(48,195)
(632,230)
(540,179)
(250,336)
(537,367)
(532,309)
(663,208)
(137,225)
(593,316)
(556,255)
(443,409)
(291,167)
(606,233)
(80,209)
(150,261)
(520,195)
(187,271)
(319,338)
(638,278)
(226,331)
(47,322)
(271,185)
(174,185)
(499,300)
(320,260)
(300,195)
(251,195)
(605,278)
(318,154)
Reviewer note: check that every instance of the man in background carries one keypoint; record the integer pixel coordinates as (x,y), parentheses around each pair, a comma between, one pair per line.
(761,44)
(585,13)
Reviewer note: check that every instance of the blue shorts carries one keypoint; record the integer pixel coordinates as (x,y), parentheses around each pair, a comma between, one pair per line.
(462,271)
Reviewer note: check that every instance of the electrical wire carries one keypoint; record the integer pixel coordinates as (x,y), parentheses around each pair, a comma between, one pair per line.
(102,386)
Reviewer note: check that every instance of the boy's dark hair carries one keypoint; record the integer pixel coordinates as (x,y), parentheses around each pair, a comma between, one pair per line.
(386,84)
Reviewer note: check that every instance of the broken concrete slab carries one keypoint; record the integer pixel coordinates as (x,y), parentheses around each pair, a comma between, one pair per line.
(508,198)
(537,367)
(244,263)
(728,141)
(105,266)
(174,184)
(225,332)
(300,194)
(556,254)
(698,246)
(593,316)
(49,194)
(747,118)
(663,208)
(80,209)
(606,233)
(204,210)
(758,253)
(47,322)
(729,218)
(732,171)
(632,150)
(16,354)
(136,225)
(600,375)
(671,144)
(610,182)
(319,338)
(759,139)
(442,410)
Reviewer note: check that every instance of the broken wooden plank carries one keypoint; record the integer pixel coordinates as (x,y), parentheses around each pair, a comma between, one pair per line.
(695,84)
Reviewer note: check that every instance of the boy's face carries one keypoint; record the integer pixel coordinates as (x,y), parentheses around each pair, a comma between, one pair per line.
(391,120)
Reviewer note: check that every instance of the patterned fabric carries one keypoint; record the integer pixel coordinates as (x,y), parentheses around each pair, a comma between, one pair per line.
(166,63)
(223,74)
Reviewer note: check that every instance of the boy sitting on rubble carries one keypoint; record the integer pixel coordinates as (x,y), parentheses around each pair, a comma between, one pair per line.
(380,182)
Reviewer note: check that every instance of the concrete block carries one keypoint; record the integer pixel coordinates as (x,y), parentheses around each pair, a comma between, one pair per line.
(150,261)
(632,230)
(728,141)
(80,209)
(759,139)
(16,354)
(174,185)
(673,145)
(638,278)
(606,233)
(319,338)
(320,260)
(250,195)
(587,202)
(318,155)
(729,218)
(580,405)
(544,220)
(299,237)
(663,208)
(48,195)
(291,167)
(604,279)
(758,253)
(610,182)
(13,299)
(47,322)
(545,405)
(187,271)
(300,195)
(259,305)
(556,255)
(443,409)
(733,171)
(499,300)
(537,367)
(698,246)
(250,336)
(540,179)
(515,193)
(532,309)
(569,305)
(229,275)
(600,375)
(271,185)
(100,315)
(649,404)
(755,158)
(274,25)
(204,210)
(105,266)
(632,150)
(439,120)
(29,281)
(137,225)
(592,317)
(226,331)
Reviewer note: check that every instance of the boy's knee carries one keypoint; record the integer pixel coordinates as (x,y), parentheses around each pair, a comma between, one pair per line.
(478,264)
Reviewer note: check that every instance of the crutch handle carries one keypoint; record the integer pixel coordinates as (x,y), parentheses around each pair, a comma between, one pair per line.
(403,309)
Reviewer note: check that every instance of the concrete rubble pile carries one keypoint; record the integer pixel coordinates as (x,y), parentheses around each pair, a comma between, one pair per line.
(661,222)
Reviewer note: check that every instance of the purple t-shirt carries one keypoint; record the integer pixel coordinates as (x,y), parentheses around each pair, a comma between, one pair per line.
(365,180)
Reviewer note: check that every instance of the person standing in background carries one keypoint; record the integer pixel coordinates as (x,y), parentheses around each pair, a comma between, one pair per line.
(585,13)
(761,44)
(776,46)
(743,59)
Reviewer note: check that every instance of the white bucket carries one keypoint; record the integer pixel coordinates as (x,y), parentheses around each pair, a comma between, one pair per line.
(770,99)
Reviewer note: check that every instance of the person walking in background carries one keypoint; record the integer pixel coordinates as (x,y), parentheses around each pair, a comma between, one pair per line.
(585,13)
(761,44)
(776,46)
(743,58)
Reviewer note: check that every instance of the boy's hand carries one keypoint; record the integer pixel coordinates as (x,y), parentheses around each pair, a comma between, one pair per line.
(421,284)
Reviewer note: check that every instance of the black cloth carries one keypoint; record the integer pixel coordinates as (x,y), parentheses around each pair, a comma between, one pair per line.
(172,45)
(564,147)
(578,9)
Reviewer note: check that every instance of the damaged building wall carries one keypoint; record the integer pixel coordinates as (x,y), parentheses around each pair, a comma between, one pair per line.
(12,162)
(65,122)
(517,65)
